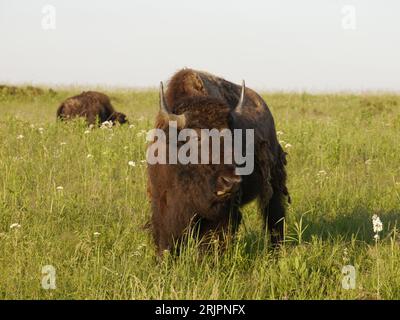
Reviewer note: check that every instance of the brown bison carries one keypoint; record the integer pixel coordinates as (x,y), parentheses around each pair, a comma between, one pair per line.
(207,198)
(92,105)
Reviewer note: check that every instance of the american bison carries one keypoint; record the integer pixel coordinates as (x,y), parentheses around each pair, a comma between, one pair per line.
(206,198)
(93,106)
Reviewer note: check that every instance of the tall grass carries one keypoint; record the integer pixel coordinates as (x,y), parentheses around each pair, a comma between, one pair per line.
(343,167)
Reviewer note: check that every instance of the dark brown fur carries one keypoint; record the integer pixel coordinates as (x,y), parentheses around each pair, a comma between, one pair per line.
(183,196)
(93,106)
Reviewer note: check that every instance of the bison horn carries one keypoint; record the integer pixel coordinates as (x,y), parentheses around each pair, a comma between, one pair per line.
(163,104)
(180,119)
(239,106)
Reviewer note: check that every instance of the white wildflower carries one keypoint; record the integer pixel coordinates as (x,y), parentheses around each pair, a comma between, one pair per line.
(96,234)
(132,163)
(63,143)
(20,137)
(322,174)
(143,161)
(60,188)
(89,156)
(279,133)
(376,237)
(368,162)
(41,130)
(131,126)
(377,224)
(345,255)
(288,145)
(87,132)
(141,133)
(15,226)
(106,125)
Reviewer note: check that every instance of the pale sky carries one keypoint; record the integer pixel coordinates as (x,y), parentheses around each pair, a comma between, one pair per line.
(313,45)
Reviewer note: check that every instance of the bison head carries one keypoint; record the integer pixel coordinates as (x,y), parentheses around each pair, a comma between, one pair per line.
(119,117)
(186,193)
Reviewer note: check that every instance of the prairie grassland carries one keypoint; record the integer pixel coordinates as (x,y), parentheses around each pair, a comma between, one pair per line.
(68,198)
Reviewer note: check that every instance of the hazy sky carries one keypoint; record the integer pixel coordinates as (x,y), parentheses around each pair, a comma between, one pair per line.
(310,45)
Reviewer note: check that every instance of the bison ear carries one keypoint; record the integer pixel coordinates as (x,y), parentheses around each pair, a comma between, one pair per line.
(163,120)
(239,106)
(227,183)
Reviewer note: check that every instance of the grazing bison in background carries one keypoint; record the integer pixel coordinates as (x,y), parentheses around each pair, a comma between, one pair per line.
(92,105)
(207,197)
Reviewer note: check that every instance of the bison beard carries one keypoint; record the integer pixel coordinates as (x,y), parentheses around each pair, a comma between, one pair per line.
(207,198)
(91,105)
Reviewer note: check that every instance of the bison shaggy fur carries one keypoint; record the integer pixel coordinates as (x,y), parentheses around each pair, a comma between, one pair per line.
(189,197)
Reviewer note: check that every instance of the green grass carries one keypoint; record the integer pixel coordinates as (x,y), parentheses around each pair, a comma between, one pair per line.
(353,138)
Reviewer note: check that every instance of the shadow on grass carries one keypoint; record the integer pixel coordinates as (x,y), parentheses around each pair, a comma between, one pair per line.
(351,225)
(355,225)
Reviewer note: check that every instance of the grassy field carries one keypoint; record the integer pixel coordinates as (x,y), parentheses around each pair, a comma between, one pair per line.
(68,198)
